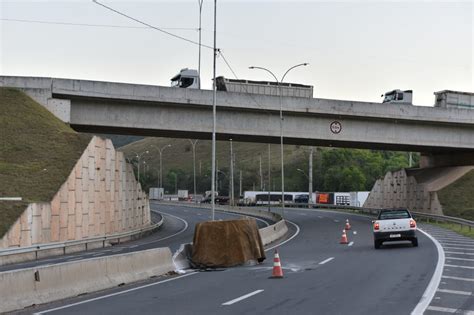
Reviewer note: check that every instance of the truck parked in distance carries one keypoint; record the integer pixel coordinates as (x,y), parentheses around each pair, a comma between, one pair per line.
(398,97)
(454,99)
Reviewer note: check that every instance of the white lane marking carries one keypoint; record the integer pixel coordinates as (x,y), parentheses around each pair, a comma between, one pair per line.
(454,239)
(430,291)
(297,232)
(455,258)
(452,247)
(243,297)
(320,217)
(98,254)
(133,246)
(354,232)
(326,261)
(350,244)
(164,238)
(77,258)
(113,294)
(458,253)
(458,278)
(337,221)
(457,244)
(455,292)
(450,310)
(457,266)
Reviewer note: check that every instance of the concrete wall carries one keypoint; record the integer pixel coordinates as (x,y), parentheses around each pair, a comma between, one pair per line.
(20,289)
(415,189)
(101,196)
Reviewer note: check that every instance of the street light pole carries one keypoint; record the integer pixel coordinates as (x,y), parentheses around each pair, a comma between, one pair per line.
(231,186)
(310,179)
(139,157)
(160,151)
(200,31)
(281,128)
(193,143)
(269,176)
(214,95)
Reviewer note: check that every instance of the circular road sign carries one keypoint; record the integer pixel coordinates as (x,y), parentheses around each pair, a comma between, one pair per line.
(335,127)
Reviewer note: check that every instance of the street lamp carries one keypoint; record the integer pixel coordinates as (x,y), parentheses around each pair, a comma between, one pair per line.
(281,128)
(160,150)
(193,143)
(139,157)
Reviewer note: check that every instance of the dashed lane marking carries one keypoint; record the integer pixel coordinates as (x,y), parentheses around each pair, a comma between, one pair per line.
(457,244)
(243,297)
(458,278)
(455,292)
(450,310)
(326,261)
(457,266)
(459,253)
(451,247)
(455,258)
(350,244)
(354,232)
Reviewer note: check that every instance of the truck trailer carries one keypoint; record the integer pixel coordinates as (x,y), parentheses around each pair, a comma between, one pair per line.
(454,99)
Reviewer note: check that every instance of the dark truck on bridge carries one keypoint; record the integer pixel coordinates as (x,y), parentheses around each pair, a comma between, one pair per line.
(189,78)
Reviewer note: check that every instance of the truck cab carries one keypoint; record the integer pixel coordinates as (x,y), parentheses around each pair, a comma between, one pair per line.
(398,97)
(186,78)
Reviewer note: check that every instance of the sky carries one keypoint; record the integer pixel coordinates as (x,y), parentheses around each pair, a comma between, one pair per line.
(356,50)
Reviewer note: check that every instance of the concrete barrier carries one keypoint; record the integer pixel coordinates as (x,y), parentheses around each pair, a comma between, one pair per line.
(273,232)
(25,287)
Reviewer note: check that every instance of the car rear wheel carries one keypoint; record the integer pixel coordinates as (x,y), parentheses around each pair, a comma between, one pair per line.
(377,244)
(415,242)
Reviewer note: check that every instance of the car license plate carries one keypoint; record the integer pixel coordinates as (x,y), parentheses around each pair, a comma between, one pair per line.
(394,235)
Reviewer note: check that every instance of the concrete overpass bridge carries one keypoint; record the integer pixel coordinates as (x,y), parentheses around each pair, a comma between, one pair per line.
(444,136)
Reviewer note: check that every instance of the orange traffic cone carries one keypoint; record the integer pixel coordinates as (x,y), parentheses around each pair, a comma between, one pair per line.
(277,271)
(348,225)
(344,238)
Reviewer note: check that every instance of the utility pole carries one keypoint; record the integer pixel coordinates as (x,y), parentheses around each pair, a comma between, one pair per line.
(240,185)
(310,176)
(269,175)
(260,172)
(231,186)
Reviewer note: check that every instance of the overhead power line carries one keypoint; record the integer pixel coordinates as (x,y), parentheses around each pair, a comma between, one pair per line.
(151,26)
(95,25)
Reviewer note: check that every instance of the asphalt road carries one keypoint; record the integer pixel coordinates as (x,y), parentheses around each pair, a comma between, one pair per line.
(321,276)
(177,228)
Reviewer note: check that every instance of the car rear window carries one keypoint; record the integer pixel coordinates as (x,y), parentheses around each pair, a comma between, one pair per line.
(394,214)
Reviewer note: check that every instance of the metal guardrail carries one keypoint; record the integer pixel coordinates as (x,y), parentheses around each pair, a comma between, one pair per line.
(373,212)
(65,245)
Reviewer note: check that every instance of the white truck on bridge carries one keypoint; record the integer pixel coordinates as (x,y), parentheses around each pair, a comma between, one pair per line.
(398,97)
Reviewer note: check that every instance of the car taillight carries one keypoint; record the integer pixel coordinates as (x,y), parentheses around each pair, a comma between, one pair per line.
(376,226)
(412,224)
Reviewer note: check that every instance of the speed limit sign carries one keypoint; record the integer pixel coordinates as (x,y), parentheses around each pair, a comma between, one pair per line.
(335,127)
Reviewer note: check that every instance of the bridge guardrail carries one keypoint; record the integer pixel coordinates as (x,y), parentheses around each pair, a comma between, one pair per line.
(35,251)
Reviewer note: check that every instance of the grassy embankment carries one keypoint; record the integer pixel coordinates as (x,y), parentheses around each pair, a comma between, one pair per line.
(37,153)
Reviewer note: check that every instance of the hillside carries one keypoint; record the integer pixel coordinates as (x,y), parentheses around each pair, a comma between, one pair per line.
(333,169)
(38,152)
(457,199)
